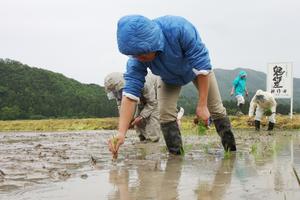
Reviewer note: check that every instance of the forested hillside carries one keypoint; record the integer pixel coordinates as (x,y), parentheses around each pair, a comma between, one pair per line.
(30,93)
(33,93)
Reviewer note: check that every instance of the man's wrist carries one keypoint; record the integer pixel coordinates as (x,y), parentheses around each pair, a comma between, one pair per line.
(140,117)
(121,134)
(202,104)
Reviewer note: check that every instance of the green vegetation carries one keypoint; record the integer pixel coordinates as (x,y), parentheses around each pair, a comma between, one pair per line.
(227,154)
(268,112)
(201,128)
(254,148)
(187,126)
(32,93)
(60,124)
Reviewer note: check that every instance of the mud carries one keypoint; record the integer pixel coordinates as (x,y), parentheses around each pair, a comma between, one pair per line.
(77,165)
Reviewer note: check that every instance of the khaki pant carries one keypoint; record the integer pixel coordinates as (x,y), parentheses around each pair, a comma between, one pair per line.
(167,96)
(149,127)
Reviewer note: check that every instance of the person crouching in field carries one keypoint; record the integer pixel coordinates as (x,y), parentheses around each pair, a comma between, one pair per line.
(263,103)
(146,119)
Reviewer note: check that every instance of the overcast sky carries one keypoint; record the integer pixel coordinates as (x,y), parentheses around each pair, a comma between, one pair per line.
(78,37)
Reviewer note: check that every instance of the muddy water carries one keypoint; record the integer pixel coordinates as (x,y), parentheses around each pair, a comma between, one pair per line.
(77,165)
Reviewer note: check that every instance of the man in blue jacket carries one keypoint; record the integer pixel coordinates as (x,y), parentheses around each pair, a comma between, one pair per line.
(171,48)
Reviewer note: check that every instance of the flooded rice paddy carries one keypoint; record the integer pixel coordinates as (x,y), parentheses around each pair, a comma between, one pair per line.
(78,165)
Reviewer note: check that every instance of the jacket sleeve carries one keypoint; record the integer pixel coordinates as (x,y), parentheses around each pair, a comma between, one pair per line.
(235,82)
(253,106)
(194,49)
(134,79)
(151,101)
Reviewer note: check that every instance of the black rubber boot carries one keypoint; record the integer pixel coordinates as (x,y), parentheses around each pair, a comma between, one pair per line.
(223,128)
(172,137)
(142,138)
(257,125)
(271,126)
(241,108)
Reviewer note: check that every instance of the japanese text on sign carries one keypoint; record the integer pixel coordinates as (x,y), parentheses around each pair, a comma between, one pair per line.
(279,81)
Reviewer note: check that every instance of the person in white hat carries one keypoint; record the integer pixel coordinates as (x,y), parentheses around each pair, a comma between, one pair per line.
(146,119)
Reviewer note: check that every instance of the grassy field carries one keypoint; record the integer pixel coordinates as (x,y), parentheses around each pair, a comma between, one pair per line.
(283,122)
(60,124)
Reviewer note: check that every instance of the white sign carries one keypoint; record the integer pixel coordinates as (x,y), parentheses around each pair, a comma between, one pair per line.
(280,80)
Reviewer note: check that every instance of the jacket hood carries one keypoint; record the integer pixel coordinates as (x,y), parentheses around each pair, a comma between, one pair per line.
(242,73)
(260,92)
(137,34)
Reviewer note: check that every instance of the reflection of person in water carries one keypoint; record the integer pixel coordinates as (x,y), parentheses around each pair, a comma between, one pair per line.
(120,178)
(221,181)
(151,184)
(169,184)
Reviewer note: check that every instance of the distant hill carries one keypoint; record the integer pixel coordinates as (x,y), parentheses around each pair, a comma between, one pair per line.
(29,92)
(256,80)
(33,93)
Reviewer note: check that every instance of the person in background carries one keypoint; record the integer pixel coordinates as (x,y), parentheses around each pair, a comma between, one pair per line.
(146,117)
(171,47)
(263,103)
(239,89)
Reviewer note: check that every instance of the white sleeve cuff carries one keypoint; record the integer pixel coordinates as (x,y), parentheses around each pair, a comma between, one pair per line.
(131,96)
(203,72)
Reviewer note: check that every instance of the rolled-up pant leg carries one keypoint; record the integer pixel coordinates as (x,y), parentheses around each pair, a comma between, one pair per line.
(167,96)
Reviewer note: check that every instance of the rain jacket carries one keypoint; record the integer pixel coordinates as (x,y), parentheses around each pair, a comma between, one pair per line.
(262,100)
(239,84)
(180,53)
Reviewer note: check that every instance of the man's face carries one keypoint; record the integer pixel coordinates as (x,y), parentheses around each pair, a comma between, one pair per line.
(113,94)
(148,57)
(260,98)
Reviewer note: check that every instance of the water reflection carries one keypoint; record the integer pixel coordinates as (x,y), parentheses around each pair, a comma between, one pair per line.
(145,183)
(261,170)
(265,172)
(221,182)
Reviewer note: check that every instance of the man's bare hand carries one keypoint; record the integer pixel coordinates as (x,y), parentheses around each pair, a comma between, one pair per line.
(115,143)
(137,121)
(203,113)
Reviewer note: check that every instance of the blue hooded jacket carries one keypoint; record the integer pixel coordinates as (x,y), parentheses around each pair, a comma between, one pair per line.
(239,83)
(180,53)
